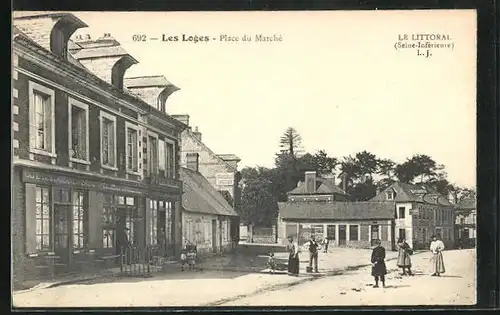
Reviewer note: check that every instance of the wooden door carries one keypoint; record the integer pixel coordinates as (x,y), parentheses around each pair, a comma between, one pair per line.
(342,235)
(374,234)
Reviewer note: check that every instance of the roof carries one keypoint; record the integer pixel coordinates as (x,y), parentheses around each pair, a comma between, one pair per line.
(466,204)
(106,51)
(201,197)
(26,15)
(405,192)
(146,81)
(323,186)
(229,157)
(336,210)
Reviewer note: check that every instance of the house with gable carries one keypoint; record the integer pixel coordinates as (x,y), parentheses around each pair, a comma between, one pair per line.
(465,223)
(419,212)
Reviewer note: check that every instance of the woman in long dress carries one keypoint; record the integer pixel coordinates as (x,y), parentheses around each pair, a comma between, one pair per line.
(404,260)
(379,270)
(293,257)
(437,246)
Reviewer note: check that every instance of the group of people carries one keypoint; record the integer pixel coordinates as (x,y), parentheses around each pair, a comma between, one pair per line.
(379,269)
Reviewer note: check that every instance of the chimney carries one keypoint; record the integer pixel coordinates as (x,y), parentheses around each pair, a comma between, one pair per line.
(153,90)
(310,182)
(344,182)
(230,159)
(105,58)
(196,133)
(192,161)
(52,31)
(182,118)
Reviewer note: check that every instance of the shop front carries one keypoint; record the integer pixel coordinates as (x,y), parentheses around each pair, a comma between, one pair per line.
(78,217)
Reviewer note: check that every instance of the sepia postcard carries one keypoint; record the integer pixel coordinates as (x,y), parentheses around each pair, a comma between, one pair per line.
(201,159)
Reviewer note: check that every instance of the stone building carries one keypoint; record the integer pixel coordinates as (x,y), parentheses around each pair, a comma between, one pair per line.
(419,212)
(317,207)
(208,220)
(93,162)
(465,223)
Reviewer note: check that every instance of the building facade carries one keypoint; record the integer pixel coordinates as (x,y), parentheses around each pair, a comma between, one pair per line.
(465,223)
(419,212)
(208,219)
(93,162)
(317,207)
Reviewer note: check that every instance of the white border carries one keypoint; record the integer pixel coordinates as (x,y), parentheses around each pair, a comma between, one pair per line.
(73,102)
(128,126)
(49,92)
(103,114)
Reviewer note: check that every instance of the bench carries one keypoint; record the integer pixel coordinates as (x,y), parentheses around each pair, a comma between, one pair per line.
(107,261)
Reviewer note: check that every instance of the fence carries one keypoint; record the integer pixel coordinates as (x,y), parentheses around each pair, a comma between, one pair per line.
(142,261)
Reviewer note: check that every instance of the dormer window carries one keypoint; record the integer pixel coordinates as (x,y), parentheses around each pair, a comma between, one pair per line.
(389,195)
(59,42)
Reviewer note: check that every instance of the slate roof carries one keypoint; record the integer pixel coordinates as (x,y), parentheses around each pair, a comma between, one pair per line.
(201,197)
(405,192)
(466,204)
(323,186)
(146,81)
(106,51)
(337,210)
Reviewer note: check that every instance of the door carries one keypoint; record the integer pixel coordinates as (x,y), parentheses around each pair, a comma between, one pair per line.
(402,234)
(374,234)
(62,235)
(221,232)
(342,235)
(121,240)
(214,236)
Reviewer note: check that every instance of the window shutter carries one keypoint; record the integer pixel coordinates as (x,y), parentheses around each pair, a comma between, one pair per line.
(30,227)
(147,220)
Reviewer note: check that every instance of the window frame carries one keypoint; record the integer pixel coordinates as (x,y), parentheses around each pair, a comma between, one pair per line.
(128,126)
(389,193)
(74,102)
(32,87)
(351,233)
(399,212)
(41,218)
(174,159)
(103,115)
(155,136)
(84,207)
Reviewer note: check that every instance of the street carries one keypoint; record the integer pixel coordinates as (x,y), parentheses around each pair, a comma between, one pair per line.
(231,288)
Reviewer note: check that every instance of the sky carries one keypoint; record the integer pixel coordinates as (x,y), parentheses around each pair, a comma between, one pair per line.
(335,77)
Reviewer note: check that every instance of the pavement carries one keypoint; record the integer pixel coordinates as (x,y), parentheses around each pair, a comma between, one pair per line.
(457,286)
(214,285)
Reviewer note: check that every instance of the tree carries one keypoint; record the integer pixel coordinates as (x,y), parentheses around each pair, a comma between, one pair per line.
(319,162)
(290,142)
(367,163)
(418,165)
(227,196)
(259,204)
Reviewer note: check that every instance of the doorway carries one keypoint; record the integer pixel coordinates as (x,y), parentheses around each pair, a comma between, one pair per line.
(402,234)
(374,234)
(342,235)
(62,220)
(214,236)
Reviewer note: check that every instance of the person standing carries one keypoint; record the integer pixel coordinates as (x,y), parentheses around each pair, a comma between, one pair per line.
(313,253)
(404,260)
(437,246)
(325,245)
(293,257)
(379,269)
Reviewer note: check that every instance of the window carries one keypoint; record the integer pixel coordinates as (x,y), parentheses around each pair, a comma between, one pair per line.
(170,157)
(108,140)
(79,202)
(390,195)
(42,117)
(401,212)
(153,223)
(330,232)
(43,231)
(79,133)
(152,154)
(132,151)
(58,41)
(161,156)
(168,221)
(402,234)
(108,222)
(353,232)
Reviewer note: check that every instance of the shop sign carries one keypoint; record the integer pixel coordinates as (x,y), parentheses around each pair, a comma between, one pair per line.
(61,180)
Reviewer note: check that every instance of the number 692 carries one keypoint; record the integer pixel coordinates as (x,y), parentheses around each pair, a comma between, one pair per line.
(139,38)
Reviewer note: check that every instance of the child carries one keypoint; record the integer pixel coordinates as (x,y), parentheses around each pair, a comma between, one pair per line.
(184,259)
(191,259)
(271,263)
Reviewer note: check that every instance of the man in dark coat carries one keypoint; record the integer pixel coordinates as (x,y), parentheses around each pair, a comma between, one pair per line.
(379,269)
(313,253)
